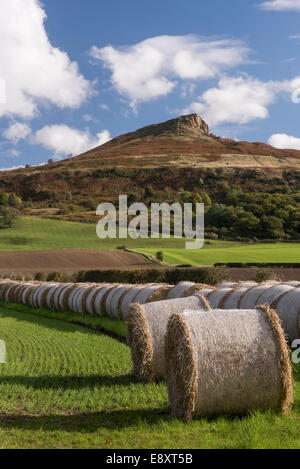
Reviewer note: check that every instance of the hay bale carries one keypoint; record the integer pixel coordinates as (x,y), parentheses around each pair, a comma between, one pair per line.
(49,300)
(41,294)
(227,363)
(250,298)
(56,295)
(217,297)
(147,326)
(9,290)
(27,294)
(288,310)
(197,289)
(3,287)
(100,298)
(231,300)
(178,290)
(80,300)
(109,298)
(90,300)
(271,295)
(293,283)
(72,295)
(63,296)
(117,295)
(152,293)
(128,299)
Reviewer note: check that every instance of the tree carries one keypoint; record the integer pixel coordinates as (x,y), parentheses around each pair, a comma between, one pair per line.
(271,227)
(206,199)
(160,256)
(4,198)
(8,216)
(14,200)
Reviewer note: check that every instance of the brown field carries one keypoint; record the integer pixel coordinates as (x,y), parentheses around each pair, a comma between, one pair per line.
(69,261)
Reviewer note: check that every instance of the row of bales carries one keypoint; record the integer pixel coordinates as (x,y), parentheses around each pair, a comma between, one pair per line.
(221,350)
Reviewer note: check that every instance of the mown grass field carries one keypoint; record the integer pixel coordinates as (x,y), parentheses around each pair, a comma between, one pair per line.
(65,386)
(32,233)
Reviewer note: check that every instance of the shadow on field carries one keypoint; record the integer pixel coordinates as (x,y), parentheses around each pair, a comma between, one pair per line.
(68,382)
(86,423)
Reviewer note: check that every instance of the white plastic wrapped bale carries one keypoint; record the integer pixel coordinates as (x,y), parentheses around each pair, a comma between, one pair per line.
(26,293)
(227,362)
(288,310)
(63,296)
(232,299)
(49,300)
(114,299)
(109,298)
(80,297)
(147,326)
(16,291)
(129,298)
(100,299)
(293,283)
(271,295)
(178,290)
(226,285)
(73,294)
(56,294)
(90,299)
(41,293)
(250,298)
(4,287)
(152,293)
(9,291)
(217,296)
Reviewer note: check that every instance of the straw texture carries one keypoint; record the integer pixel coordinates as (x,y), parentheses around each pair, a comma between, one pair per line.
(227,362)
(147,326)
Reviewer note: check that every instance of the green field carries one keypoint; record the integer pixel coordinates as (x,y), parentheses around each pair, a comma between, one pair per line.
(64,386)
(33,233)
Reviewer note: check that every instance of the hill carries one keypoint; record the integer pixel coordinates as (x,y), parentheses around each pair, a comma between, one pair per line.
(169,158)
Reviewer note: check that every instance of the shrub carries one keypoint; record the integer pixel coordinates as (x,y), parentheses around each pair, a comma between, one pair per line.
(160,256)
(54,277)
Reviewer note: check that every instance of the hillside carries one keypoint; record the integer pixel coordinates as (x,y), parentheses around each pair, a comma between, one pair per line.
(174,154)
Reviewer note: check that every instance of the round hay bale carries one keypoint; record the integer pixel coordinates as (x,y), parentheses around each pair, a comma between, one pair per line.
(128,299)
(147,326)
(63,296)
(31,293)
(100,299)
(4,286)
(109,298)
(49,300)
(41,294)
(226,285)
(159,294)
(27,293)
(56,295)
(231,300)
(72,295)
(249,299)
(90,300)
(9,290)
(115,301)
(227,362)
(81,298)
(17,292)
(288,310)
(217,297)
(271,295)
(196,289)
(178,290)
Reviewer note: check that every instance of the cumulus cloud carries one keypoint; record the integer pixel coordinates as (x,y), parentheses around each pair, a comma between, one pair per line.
(242,99)
(16,132)
(281,5)
(151,68)
(235,100)
(33,70)
(284,141)
(64,140)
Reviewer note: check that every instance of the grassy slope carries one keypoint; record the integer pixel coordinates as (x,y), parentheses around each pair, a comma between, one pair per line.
(40,234)
(64,386)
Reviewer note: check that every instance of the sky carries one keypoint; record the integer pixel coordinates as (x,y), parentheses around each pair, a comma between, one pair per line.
(74,73)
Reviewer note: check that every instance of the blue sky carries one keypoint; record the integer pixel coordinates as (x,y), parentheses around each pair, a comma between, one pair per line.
(74,74)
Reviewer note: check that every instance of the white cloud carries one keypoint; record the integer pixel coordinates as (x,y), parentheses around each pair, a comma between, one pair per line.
(151,68)
(284,141)
(295,37)
(64,140)
(34,71)
(242,99)
(235,100)
(281,5)
(16,132)
(104,107)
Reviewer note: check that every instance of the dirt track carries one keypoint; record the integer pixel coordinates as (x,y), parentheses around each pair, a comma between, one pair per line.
(69,261)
